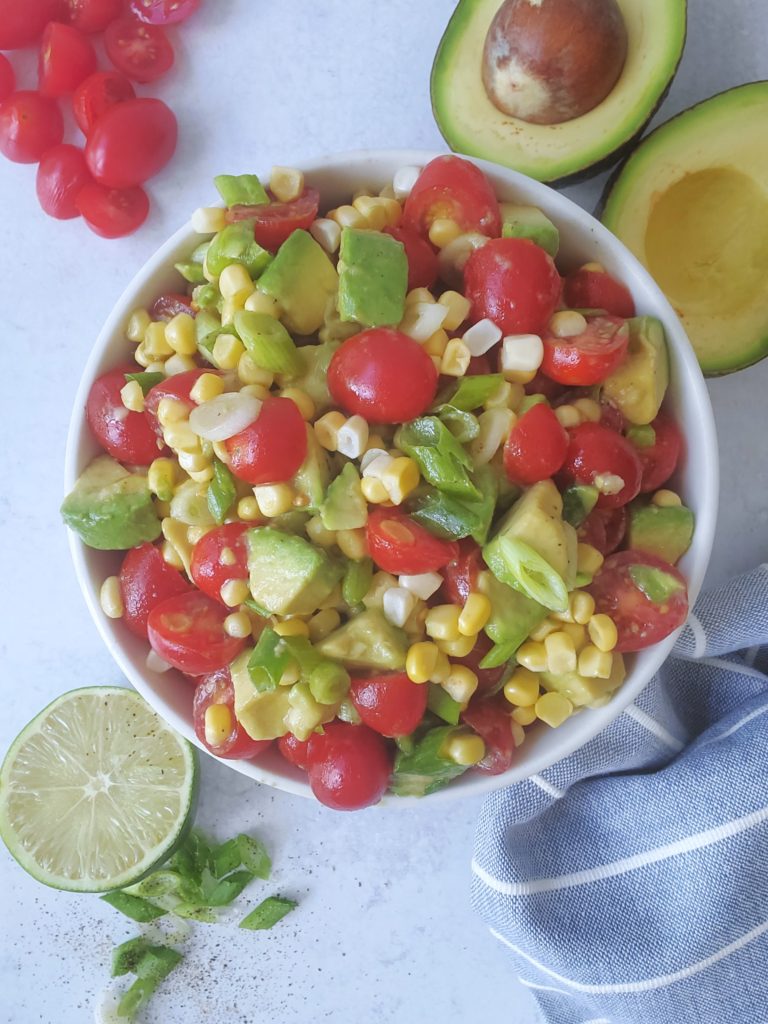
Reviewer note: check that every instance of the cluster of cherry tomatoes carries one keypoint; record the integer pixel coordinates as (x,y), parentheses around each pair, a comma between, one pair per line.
(128,138)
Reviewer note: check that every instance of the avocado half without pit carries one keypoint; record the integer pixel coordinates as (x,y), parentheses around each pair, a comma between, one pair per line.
(553,88)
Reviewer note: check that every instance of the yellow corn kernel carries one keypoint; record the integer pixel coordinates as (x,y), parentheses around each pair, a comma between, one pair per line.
(602,632)
(455,359)
(442,231)
(588,560)
(219,449)
(274,499)
(196,533)
(666,499)
(417,295)
(370,208)
(181,335)
(157,366)
(171,410)
(460,684)
(179,364)
(442,622)
(387,192)
(458,309)
(518,732)
(301,400)
(554,709)
(175,533)
(181,437)
(257,390)
(111,598)
(392,208)
(318,534)
(436,362)
(291,627)
(202,476)
(260,302)
(594,266)
(171,556)
(218,724)
(138,322)
(400,478)
(543,630)
(207,220)
(132,396)
(227,557)
(207,387)
(374,491)
(193,462)
(347,217)
(323,624)
(141,356)
(327,429)
(234,592)
(235,283)
(465,749)
(286,183)
(594,663)
(582,606)
(249,372)
(421,661)
(248,510)
(442,668)
(381,582)
(161,478)
(375,441)
(155,343)
(576,632)
(568,416)
(608,483)
(590,409)
(524,716)
(436,344)
(522,688)
(567,324)
(561,652)
(533,656)
(353,544)
(226,351)
(474,614)
(238,625)
(458,648)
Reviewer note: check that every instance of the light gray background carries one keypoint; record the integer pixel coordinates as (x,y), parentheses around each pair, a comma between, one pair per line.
(385,931)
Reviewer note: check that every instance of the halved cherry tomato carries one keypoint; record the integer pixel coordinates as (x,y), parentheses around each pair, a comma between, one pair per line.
(274,222)
(349,766)
(398,545)
(640,621)
(594,289)
(541,385)
(422,259)
(536,447)
(66,58)
(456,189)
(177,387)
(488,679)
(514,283)
(23,21)
(382,375)
(113,212)
(461,575)
(612,417)
(209,571)
(490,718)
(217,689)
(7,77)
(94,96)
(163,12)
(146,580)
(188,632)
(142,52)
(659,461)
(604,529)
(92,15)
(273,447)
(61,174)
(390,704)
(167,306)
(126,436)
(30,125)
(595,449)
(294,751)
(589,357)
(131,142)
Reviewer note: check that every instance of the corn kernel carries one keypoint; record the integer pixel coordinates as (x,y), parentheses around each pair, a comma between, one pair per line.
(400,478)
(521,357)
(301,400)
(234,592)
(260,302)
(227,556)
(460,684)
(524,716)
(353,544)
(442,231)
(181,437)
(422,319)
(392,208)
(229,307)
(111,598)
(249,372)
(291,627)
(459,648)
(442,622)
(238,625)
(179,364)
(206,387)
(456,358)
(421,661)
(602,632)
(533,656)
(590,409)
(193,462)
(155,343)
(465,749)
(554,709)
(207,220)
(568,416)
(323,624)
(567,324)
(518,732)
(171,410)
(196,533)
(274,499)
(180,334)
(218,724)
(436,343)
(374,491)
(156,366)
(326,233)
(522,688)
(248,510)
(286,184)
(235,283)
(138,322)
(594,266)
(588,560)
(141,357)
(543,630)
(417,295)
(372,211)
(576,632)
(171,556)
(561,653)
(582,606)
(175,533)
(666,499)
(608,483)
(458,309)
(318,534)
(257,390)
(348,217)
(474,615)
(442,669)
(226,352)
(132,396)
(594,663)
(327,429)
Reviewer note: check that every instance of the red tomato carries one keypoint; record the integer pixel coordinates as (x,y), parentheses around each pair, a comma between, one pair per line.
(589,357)
(611,417)
(177,387)
(7,77)
(273,447)
(113,212)
(21,23)
(187,631)
(131,142)
(30,125)
(660,460)
(461,575)
(541,385)
(596,449)
(274,222)
(390,704)
(514,283)
(207,569)
(382,375)
(455,189)
(163,12)
(490,718)
(294,751)
(640,621)
(536,447)
(170,305)
(92,15)
(488,679)
(604,529)
(66,58)
(61,174)
(422,259)
(142,52)
(217,689)
(594,289)
(478,365)
(126,436)
(146,579)
(97,94)
(349,766)
(399,545)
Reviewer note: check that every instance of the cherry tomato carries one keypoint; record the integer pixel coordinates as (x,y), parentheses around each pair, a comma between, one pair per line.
(382,375)
(61,174)
(490,718)
(97,94)
(113,212)
(541,385)
(349,766)
(589,357)
(66,58)
(390,704)
(612,417)
(422,259)
(208,570)
(294,751)
(461,575)
(478,365)
(536,447)
(170,305)
(514,283)
(452,188)
(659,461)
(177,387)
(30,125)
(126,436)
(131,142)
(92,15)
(7,77)
(640,621)
(398,545)
(274,222)
(595,449)
(163,12)
(488,679)
(604,529)
(142,52)
(23,21)
(188,632)
(146,580)
(273,447)
(594,289)
(217,689)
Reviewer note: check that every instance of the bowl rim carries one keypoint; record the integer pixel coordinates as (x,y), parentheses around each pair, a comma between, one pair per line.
(708,485)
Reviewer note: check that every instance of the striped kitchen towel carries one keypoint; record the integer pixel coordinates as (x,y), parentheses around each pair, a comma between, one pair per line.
(629,882)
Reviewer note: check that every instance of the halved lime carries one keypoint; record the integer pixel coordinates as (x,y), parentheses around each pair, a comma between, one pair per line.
(96,791)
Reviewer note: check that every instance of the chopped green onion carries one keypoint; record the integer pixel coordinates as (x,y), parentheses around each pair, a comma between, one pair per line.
(146,381)
(135,907)
(268,913)
(451,519)
(269,661)
(225,857)
(357,580)
(207,297)
(473,391)
(158,884)
(228,889)
(241,189)
(153,967)
(578,502)
(443,705)
(235,244)
(442,460)
(499,654)
(643,436)
(518,565)
(254,856)
(529,401)
(658,586)
(329,683)
(583,579)
(463,425)
(192,272)
(192,857)
(126,957)
(259,609)
(268,343)
(193,911)
(425,769)
(221,491)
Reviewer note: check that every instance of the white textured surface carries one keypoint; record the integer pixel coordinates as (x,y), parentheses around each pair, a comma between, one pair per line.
(385,932)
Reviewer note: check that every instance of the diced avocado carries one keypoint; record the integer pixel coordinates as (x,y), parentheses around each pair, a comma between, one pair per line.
(314,473)
(301,278)
(443,705)
(666,532)
(261,713)
(536,519)
(578,502)
(638,387)
(368,640)
(656,584)
(313,378)
(306,713)
(373,278)
(110,508)
(584,692)
(288,575)
(530,222)
(344,507)
(513,615)
(358,577)
(425,769)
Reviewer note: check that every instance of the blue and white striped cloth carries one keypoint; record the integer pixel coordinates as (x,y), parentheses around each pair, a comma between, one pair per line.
(629,882)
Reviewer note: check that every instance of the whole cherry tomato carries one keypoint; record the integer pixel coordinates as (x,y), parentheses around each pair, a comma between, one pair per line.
(142,52)
(188,632)
(126,436)
(594,289)
(587,358)
(595,450)
(22,23)
(209,570)
(96,94)
(390,704)
(216,690)
(146,580)
(112,212)
(513,282)
(273,447)
(131,142)
(422,259)
(274,222)
(30,125)
(453,188)
(66,58)
(399,545)
(536,447)
(349,766)
(61,174)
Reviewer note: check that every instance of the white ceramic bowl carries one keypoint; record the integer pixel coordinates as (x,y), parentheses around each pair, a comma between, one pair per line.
(583,239)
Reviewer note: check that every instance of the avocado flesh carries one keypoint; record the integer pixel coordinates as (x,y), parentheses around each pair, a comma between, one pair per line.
(638,387)
(314,473)
(368,640)
(471,124)
(373,278)
(288,575)
(261,713)
(584,692)
(665,532)
(692,204)
(537,519)
(530,222)
(301,278)
(344,507)
(110,508)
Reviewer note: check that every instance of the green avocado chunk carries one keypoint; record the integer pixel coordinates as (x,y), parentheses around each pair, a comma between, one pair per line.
(638,387)
(582,691)
(578,502)
(368,640)
(301,278)
(288,575)
(537,519)
(344,507)
(373,278)
(314,473)
(313,378)
(260,712)
(425,769)
(530,222)
(110,508)
(666,532)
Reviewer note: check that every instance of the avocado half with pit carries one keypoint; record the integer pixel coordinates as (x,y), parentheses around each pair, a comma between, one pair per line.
(594,70)
(692,204)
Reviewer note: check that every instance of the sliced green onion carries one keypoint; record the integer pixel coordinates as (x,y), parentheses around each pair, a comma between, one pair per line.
(452,519)
(135,907)
(254,856)
(329,683)
(443,705)
(146,381)
(442,460)
(269,661)
(225,858)
(196,912)
(473,391)
(657,585)
(207,297)
(159,883)
(221,491)
(126,957)
(241,189)
(268,343)
(268,913)
(425,769)
(153,967)
(235,244)
(463,425)
(643,436)
(228,889)
(516,563)
(499,654)
(192,272)
(357,580)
